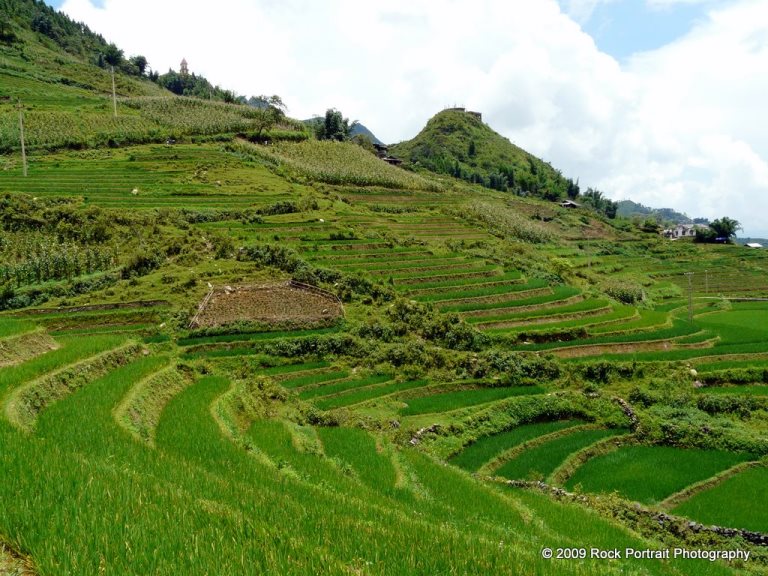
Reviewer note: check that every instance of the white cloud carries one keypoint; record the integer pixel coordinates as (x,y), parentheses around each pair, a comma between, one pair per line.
(682,126)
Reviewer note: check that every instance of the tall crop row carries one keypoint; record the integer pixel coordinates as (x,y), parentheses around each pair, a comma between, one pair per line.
(336,163)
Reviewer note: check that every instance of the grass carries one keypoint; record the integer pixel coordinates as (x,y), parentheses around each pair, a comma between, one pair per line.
(73,349)
(369,393)
(648,474)
(679,329)
(746,390)
(472,457)
(458,282)
(585,306)
(732,503)
(540,461)
(343,386)
(559,294)
(314,378)
(254,336)
(358,450)
(290,368)
(495,288)
(13,327)
(463,398)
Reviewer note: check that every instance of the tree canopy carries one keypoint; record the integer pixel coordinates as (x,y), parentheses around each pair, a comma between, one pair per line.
(334,126)
(720,230)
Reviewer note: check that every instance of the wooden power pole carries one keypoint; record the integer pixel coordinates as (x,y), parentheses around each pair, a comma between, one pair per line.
(690,296)
(21,135)
(114,94)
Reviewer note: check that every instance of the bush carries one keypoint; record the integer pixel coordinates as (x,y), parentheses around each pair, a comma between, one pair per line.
(626,292)
(140,265)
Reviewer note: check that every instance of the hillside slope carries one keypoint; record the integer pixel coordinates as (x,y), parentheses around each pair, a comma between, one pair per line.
(458,143)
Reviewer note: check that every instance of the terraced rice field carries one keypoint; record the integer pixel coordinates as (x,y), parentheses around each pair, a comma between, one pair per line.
(542,459)
(733,502)
(446,401)
(648,474)
(197,461)
(143,177)
(474,456)
(367,394)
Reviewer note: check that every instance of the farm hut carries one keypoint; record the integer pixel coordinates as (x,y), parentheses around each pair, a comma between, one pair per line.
(753,245)
(570,204)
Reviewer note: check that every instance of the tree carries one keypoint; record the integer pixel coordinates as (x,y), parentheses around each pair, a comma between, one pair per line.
(334,126)
(41,23)
(7,34)
(573,189)
(113,55)
(268,111)
(725,228)
(472,150)
(141,64)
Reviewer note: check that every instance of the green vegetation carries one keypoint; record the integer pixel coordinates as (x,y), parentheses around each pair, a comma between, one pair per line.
(454,400)
(475,455)
(457,143)
(731,503)
(461,315)
(542,460)
(649,474)
(334,163)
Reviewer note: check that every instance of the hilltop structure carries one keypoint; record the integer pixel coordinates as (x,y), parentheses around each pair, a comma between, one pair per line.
(184,70)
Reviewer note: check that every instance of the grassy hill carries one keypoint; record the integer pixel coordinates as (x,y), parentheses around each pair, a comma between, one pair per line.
(222,357)
(630,209)
(458,143)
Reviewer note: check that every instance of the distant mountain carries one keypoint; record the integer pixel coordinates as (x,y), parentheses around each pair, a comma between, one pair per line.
(356,129)
(360,129)
(628,209)
(457,142)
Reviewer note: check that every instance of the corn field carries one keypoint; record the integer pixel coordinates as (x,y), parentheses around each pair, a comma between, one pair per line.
(31,259)
(336,163)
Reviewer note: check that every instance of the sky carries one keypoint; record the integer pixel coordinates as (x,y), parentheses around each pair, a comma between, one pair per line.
(658,101)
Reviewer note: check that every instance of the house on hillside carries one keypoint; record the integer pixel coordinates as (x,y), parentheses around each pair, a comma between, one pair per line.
(753,245)
(569,204)
(683,231)
(382,151)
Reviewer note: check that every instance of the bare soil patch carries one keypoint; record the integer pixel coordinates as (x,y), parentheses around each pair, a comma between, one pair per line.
(13,564)
(284,303)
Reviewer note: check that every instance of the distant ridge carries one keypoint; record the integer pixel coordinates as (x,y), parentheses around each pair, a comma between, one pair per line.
(628,209)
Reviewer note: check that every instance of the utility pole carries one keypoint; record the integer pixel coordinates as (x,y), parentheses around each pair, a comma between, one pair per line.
(21,135)
(690,296)
(114,94)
